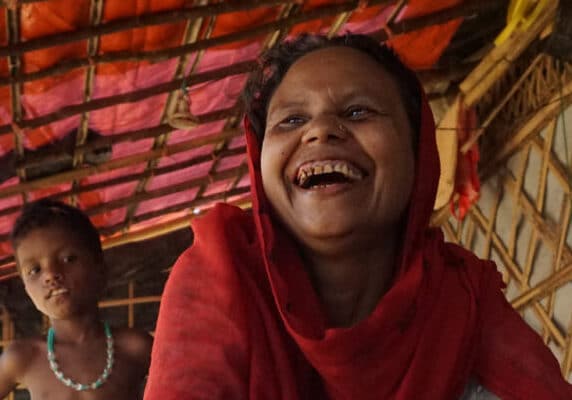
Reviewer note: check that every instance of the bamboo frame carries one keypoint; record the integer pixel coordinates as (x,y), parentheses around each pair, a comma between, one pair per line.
(130,136)
(158,55)
(493,71)
(114,164)
(402,27)
(140,21)
(131,97)
(552,234)
(191,35)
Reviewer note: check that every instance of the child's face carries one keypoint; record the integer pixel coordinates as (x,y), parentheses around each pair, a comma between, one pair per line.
(337,109)
(60,274)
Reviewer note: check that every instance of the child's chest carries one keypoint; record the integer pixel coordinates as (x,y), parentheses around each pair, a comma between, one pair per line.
(83,368)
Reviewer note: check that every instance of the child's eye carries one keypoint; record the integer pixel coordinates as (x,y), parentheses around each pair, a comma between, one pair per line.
(69,258)
(33,270)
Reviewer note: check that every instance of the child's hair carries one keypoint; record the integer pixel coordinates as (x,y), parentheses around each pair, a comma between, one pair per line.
(274,64)
(45,212)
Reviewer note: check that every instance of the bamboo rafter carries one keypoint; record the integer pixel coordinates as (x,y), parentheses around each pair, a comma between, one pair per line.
(191,35)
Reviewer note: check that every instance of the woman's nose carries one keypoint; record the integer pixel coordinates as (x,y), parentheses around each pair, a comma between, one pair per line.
(324,129)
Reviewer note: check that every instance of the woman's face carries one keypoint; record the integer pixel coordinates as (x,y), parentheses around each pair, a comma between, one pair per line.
(337,157)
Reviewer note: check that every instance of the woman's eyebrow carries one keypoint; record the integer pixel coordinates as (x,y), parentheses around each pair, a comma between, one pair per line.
(287,105)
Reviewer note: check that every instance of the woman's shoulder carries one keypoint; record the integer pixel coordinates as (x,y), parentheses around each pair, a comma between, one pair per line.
(223,221)
(475,391)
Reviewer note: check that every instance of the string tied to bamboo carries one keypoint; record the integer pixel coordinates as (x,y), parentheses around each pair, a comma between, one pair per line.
(182,117)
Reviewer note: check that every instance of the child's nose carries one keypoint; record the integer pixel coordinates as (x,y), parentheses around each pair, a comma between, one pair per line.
(52,273)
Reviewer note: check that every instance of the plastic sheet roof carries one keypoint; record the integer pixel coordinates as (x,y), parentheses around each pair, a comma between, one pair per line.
(86,89)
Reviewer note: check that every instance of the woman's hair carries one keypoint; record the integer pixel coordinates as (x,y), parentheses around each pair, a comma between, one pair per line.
(274,64)
(45,212)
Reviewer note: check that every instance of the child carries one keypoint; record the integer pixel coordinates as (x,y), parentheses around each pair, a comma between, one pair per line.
(335,287)
(59,256)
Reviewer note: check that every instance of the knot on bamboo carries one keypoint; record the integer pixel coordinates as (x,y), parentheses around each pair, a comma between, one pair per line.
(11,4)
(182,118)
(362,5)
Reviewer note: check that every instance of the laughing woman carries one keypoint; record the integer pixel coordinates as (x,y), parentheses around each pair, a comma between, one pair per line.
(334,286)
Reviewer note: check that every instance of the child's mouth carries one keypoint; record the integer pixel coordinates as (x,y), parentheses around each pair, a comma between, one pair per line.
(57,292)
(318,174)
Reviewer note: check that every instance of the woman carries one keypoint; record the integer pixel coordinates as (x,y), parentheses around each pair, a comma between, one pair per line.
(334,287)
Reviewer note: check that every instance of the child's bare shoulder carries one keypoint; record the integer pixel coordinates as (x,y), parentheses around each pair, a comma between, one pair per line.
(134,343)
(20,353)
(18,357)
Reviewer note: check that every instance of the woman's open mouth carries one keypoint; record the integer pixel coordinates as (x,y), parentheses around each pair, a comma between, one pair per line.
(319,174)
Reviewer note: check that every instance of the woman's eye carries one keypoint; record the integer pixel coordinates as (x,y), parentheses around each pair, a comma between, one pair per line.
(357,112)
(33,270)
(291,121)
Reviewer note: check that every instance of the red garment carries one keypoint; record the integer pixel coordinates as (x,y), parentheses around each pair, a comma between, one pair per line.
(239,318)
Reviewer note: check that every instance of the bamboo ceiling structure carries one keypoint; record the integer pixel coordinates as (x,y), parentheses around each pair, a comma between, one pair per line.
(199,20)
(520,93)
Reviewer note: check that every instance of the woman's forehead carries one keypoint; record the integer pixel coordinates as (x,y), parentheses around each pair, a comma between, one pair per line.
(335,71)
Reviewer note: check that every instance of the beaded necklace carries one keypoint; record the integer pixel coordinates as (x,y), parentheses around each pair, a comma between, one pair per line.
(67,381)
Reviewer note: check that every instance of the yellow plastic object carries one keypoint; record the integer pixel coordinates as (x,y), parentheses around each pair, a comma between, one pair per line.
(521,14)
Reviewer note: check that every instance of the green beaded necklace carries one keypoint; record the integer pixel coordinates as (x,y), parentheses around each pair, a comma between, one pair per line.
(67,381)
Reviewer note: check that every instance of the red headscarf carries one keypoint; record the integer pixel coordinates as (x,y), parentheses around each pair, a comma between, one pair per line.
(240,319)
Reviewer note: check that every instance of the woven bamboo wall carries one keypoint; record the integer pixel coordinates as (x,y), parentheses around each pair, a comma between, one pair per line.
(522,222)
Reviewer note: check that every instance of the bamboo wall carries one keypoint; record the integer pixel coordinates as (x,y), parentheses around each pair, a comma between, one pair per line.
(522,222)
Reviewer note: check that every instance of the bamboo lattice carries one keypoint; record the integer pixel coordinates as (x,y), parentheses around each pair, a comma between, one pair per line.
(522,222)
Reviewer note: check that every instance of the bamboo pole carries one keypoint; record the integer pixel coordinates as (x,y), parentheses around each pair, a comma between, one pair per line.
(161,229)
(513,269)
(129,301)
(156,230)
(133,96)
(559,278)
(195,203)
(13,16)
(144,196)
(138,21)
(242,67)
(18,3)
(36,159)
(528,130)
(463,10)
(193,32)
(158,55)
(548,229)
(497,62)
(95,16)
(499,106)
(133,177)
(114,164)
(163,191)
